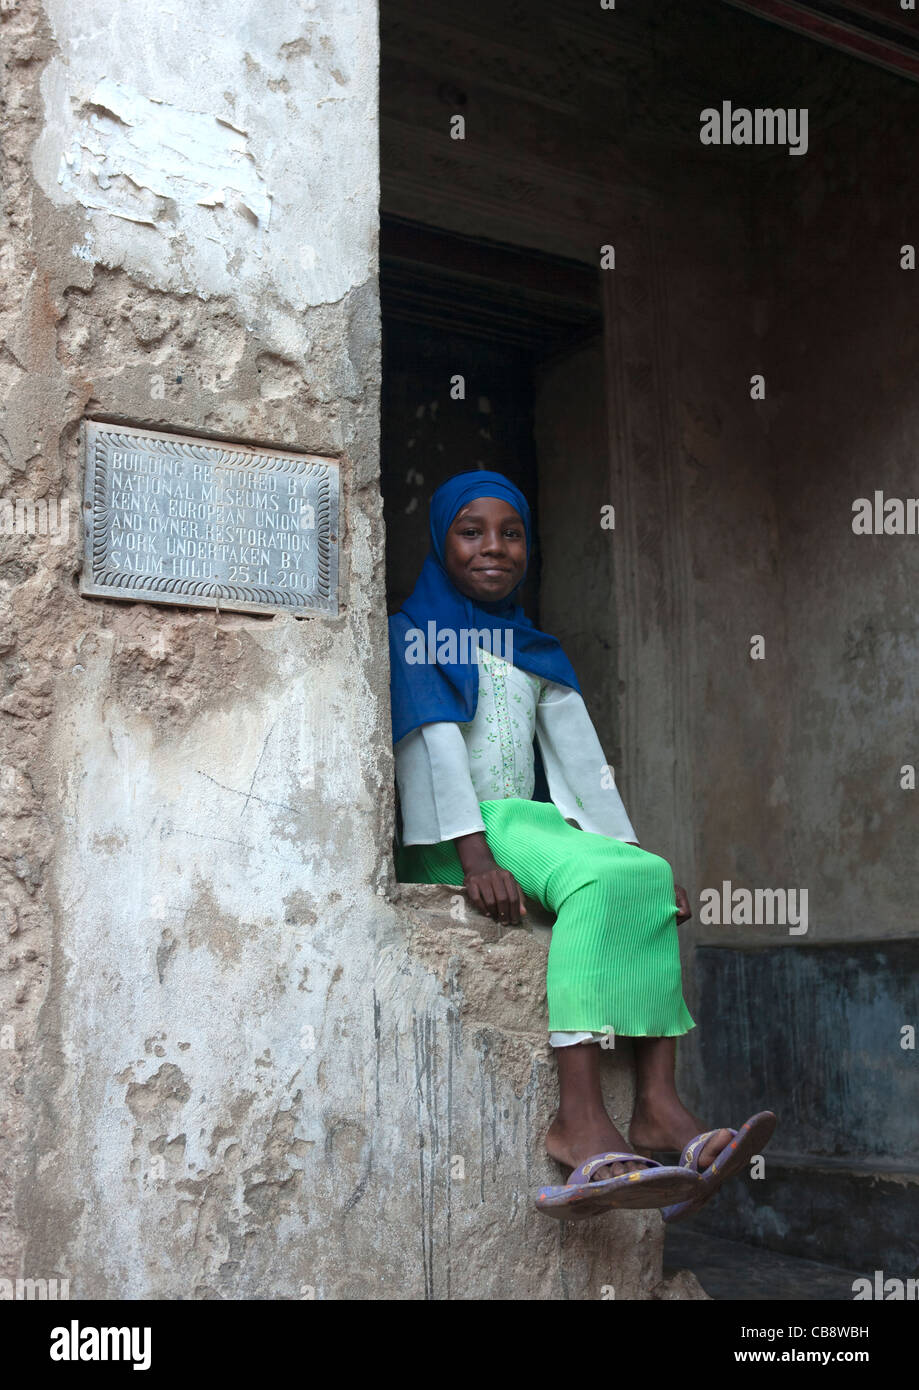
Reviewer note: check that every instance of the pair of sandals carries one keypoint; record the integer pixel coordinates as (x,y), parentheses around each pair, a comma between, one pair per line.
(678,1191)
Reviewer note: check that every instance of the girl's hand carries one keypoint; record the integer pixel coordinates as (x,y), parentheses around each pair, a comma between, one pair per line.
(497,894)
(492,890)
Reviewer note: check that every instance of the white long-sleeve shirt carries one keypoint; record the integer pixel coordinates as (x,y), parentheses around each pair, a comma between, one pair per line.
(443,770)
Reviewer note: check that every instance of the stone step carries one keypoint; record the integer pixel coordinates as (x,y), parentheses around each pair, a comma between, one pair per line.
(731,1270)
(847,1213)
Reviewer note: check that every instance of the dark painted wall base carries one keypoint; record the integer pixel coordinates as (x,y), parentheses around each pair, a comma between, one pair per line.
(815,1033)
(860,1220)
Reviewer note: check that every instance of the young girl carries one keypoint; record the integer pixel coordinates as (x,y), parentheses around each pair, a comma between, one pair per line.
(473,681)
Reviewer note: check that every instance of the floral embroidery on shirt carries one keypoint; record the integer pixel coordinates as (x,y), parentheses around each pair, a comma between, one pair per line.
(499,687)
(499,740)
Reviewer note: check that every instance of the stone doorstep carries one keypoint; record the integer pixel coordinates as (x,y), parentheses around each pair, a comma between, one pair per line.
(851,1214)
(438,902)
(731,1271)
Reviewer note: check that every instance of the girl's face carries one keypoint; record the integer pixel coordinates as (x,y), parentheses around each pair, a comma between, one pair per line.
(485,550)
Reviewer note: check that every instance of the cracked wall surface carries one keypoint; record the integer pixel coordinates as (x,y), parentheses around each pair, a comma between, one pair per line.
(236,1062)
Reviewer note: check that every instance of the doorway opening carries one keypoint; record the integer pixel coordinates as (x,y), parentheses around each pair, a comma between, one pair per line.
(493,358)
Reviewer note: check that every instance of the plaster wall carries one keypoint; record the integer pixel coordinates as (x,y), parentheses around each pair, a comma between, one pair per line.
(843,341)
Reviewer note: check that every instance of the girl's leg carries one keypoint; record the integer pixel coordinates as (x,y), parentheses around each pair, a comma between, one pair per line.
(614,960)
(582,1127)
(614,965)
(660,1120)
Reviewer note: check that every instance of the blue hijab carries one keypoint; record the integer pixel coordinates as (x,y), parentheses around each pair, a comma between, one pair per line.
(430,692)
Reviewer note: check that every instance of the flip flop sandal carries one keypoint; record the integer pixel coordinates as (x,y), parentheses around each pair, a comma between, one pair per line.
(581,1198)
(752,1136)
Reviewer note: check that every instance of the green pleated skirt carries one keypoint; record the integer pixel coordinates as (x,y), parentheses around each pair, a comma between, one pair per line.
(614,959)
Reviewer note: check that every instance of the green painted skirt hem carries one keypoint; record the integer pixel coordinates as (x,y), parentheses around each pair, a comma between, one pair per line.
(614,959)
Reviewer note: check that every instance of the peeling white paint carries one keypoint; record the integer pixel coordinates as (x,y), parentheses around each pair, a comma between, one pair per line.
(196,170)
(130,148)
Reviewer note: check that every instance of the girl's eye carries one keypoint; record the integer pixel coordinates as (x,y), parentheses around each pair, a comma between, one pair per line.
(513,532)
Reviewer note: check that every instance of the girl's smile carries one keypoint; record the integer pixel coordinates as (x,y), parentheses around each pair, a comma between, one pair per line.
(485,550)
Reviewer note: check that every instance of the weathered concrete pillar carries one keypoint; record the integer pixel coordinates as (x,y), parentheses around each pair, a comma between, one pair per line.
(235,1063)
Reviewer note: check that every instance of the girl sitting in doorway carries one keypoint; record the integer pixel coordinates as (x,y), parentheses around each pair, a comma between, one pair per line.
(464,720)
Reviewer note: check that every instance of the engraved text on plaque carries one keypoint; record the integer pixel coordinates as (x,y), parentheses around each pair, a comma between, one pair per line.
(175,519)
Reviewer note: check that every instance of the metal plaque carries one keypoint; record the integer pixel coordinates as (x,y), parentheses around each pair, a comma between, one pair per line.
(174,519)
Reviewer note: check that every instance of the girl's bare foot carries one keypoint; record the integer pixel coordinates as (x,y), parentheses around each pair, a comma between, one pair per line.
(665,1123)
(592,1133)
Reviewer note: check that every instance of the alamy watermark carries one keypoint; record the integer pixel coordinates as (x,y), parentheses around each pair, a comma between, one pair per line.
(453,646)
(728,906)
(82,1343)
(29,1290)
(885,516)
(760,126)
(40,516)
(887,1290)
